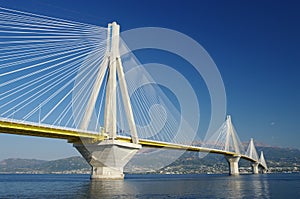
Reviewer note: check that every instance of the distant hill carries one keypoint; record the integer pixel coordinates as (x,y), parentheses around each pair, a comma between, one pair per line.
(67,165)
(19,165)
(278,160)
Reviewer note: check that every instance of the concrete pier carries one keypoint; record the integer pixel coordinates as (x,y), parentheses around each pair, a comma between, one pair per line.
(233,163)
(108,157)
(255,167)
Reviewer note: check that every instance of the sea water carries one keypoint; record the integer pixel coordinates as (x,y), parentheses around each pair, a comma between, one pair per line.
(151,186)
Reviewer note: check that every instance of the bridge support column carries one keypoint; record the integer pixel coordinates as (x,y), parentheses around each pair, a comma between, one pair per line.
(108,157)
(255,168)
(233,163)
(264,171)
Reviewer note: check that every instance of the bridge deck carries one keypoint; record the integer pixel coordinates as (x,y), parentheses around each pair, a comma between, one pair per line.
(75,135)
(47,131)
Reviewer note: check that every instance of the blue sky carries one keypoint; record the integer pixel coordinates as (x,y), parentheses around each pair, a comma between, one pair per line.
(255,45)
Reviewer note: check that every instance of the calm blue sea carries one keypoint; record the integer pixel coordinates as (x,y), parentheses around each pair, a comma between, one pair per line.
(151,186)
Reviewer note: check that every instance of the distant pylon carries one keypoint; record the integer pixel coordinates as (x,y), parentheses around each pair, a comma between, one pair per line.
(232,142)
(262,160)
(251,151)
(225,138)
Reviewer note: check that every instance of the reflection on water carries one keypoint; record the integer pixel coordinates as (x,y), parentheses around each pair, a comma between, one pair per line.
(260,186)
(187,186)
(110,189)
(151,186)
(241,186)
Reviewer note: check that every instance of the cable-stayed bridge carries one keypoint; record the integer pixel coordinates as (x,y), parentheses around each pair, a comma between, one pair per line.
(66,80)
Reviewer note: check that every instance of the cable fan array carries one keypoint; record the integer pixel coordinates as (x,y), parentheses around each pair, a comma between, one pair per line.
(157,117)
(39,61)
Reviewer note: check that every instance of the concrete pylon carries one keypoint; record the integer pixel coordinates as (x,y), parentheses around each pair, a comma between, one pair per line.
(108,157)
(233,163)
(251,150)
(262,161)
(232,142)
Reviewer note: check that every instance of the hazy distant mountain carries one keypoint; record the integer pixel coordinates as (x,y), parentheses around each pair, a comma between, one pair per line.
(67,165)
(278,160)
(19,165)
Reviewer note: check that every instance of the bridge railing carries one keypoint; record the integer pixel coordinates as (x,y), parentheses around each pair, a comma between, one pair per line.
(16,121)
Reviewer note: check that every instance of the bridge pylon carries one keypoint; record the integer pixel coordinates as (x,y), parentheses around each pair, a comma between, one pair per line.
(262,161)
(227,140)
(108,157)
(252,153)
(232,143)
